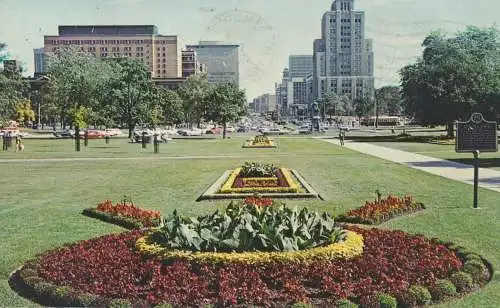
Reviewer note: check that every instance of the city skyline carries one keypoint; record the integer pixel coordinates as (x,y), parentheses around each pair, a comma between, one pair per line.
(267,35)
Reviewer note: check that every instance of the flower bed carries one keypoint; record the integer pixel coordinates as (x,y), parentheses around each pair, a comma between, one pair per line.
(125,214)
(381,210)
(284,183)
(107,270)
(260,141)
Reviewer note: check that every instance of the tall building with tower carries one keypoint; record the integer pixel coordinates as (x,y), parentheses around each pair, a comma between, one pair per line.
(221,60)
(343,57)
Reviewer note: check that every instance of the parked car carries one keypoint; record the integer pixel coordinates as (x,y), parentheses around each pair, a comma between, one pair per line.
(113,132)
(230,129)
(67,133)
(190,132)
(214,130)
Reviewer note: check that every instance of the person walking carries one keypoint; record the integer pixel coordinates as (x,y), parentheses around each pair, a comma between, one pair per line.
(341,137)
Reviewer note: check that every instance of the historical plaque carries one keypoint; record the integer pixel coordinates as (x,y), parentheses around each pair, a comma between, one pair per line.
(476,134)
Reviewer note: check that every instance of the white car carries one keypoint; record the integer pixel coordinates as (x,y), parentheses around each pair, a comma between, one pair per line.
(230,129)
(113,132)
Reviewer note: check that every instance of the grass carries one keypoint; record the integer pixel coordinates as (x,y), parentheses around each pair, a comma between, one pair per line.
(41,201)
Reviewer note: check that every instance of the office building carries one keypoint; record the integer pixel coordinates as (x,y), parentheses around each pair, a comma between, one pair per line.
(160,53)
(191,65)
(221,60)
(264,104)
(300,65)
(343,57)
(39,58)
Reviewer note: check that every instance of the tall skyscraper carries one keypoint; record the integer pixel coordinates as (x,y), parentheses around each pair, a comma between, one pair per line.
(343,57)
(222,60)
(39,60)
(300,65)
(161,53)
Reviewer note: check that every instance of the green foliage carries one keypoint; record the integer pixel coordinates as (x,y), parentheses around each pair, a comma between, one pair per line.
(387,300)
(120,303)
(226,103)
(419,294)
(345,303)
(164,305)
(126,222)
(476,268)
(443,288)
(13,89)
(244,227)
(463,281)
(389,101)
(87,300)
(171,107)
(194,93)
(257,169)
(302,305)
(454,77)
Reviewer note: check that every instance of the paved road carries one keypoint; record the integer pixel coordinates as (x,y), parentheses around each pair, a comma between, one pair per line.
(488,178)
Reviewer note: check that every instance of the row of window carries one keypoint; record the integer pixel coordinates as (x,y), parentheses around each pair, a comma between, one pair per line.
(102,42)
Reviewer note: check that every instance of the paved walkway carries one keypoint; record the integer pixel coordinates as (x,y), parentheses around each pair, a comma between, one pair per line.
(488,178)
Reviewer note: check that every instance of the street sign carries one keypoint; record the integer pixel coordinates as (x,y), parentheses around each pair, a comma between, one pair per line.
(476,134)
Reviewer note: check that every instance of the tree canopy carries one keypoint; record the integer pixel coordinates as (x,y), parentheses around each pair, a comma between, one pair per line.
(454,77)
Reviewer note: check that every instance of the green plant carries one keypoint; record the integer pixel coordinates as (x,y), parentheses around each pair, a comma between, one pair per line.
(87,300)
(443,288)
(386,300)
(256,169)
(475,268)
(120,303)
(463,281)
(302,305)
(61,293)
(345,303)
(249,227)
(473,256)
(420,294)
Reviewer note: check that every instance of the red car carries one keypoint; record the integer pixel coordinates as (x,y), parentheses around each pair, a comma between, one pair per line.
(214,130)
(93,134)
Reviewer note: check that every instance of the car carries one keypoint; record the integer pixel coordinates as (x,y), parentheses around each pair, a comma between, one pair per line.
(305,129)
(113,132)
(242,129)
(230,129)
(67,133)
(345,127)
(93,134)
(213,130)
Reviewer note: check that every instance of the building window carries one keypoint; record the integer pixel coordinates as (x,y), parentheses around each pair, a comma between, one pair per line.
(164,53)
(163,65)
(164,72)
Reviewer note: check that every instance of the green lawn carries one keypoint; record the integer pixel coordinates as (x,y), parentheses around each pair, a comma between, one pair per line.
(41,201)
(487,160)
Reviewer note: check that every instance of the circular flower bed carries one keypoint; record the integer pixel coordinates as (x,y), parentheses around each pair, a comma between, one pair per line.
(350,247)
(394,266)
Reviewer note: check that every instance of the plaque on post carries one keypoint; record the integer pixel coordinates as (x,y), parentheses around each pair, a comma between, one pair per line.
(475,136)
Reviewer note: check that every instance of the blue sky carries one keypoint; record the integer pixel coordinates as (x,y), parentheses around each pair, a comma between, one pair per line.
(269,30)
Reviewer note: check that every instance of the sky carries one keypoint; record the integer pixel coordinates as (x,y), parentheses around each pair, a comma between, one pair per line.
(268,30)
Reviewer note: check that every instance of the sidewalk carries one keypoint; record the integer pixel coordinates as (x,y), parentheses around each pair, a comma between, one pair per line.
(488,178)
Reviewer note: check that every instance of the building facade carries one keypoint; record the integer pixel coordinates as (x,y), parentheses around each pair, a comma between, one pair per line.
(160,53)
(343,57)
(39,57)
(221,60)
(266,103)
(300,65)
(191,65)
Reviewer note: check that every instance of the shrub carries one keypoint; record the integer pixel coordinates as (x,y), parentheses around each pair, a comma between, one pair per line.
(44,289)
(87,300)
(27,272)
(32,281)
(345,303)
(463,281)
(120,303)
(443,288)
(387,300)
(62,293)
(475,268)
(473,256)
(256,169)
(302,305)
(248,227)
(420,294)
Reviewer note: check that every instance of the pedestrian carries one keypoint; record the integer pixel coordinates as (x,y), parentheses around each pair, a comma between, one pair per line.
(341,137)
(19,144)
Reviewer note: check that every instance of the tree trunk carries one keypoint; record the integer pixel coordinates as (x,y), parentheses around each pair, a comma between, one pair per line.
(77,138)
(224,125)
(450,126)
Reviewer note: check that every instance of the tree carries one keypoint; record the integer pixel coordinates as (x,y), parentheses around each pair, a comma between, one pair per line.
(75,78)
(454,77)
(389,100)
(171,106)
(131,93)
(12,88)
(24,112)
(362,106)
(226,104)
(194,92)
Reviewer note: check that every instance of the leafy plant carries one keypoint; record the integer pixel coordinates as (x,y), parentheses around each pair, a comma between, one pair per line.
(443,288)
(256,169)
(420,294)
(345,303)
(463,281)
(475,268)
(386,300)
(249,227)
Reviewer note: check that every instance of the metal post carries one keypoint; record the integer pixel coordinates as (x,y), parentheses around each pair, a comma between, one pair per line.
(476,175)
(156,143)
(143,140)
